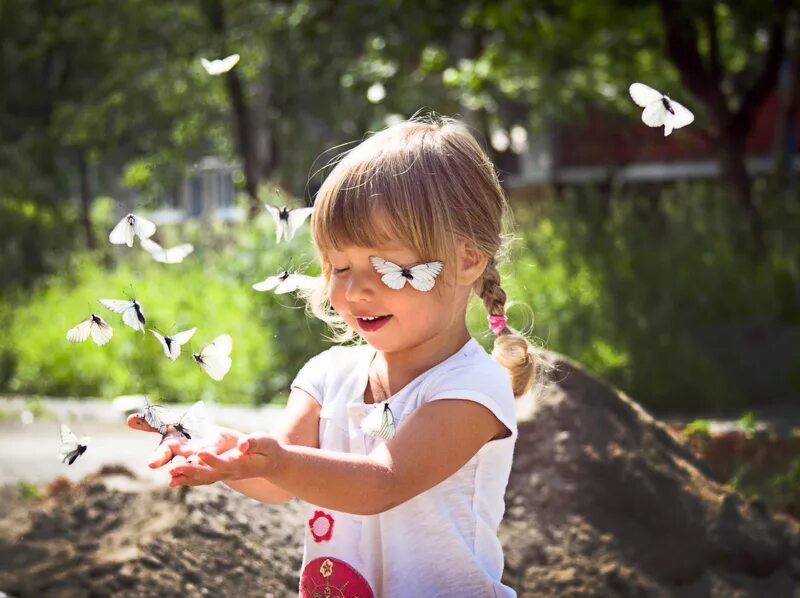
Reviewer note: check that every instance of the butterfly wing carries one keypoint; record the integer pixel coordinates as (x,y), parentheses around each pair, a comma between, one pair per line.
(655,114)
(122,233)
(175,255)
(379,423)
(118,306)
(644,95)
(101,332)
(179,339)
(154,415)
(127,309)
(207,65)
(683,116)
(424,275)
(69,444)
(163,342)
(391,274)
(195,420)
(143,228)
(279,224)
(151,247)
(228,63)
(296,219)
(81,332)
(267,284)
(295,282)
(215,357)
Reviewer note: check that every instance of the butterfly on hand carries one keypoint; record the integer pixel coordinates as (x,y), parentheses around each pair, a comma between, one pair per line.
(71,448)
(131,310)
(131,225)
(214,358)
(286,282)
(220,66)
(659,109)
(422,276)
(172,343)
(287,221)
(173,255)
(100,331)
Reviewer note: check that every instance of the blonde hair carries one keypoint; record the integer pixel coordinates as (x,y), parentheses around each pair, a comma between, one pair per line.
(434,185)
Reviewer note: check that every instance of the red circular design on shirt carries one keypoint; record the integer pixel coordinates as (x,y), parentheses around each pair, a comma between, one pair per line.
(321,526)
(329,577)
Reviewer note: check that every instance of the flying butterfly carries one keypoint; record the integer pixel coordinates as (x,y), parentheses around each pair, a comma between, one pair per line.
(172,343)
(214,358)
(659,109)
(100,331)
(379,423)
(173,255)
(131,225)
(131,310)
(422,276)
(285,282)
(194,421)
(287,221)
(220,66)
(71,448)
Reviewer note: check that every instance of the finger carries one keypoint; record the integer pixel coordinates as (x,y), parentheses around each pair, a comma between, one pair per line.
(212,460)
(136,421)
(165,452)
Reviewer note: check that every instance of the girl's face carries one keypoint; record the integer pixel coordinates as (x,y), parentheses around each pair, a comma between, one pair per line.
(407,318)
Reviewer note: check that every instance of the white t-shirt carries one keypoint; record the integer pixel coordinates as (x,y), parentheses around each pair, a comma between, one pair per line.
(442,542)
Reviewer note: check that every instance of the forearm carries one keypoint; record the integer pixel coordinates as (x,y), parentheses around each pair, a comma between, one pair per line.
(260,490)
(345,482)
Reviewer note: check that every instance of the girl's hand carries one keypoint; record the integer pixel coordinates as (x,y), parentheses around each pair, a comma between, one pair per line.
(176,448)
(254,457)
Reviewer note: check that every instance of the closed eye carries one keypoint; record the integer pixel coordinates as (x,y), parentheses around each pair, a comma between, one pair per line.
(339,270)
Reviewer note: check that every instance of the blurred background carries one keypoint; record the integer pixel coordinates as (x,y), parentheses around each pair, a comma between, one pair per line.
(668,266)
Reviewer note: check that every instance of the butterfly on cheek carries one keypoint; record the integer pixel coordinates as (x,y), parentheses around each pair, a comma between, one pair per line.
(422,277)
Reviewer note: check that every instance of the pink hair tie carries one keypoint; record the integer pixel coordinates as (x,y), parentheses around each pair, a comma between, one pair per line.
(497,323)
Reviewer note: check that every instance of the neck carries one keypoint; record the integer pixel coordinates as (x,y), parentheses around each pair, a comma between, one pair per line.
(396,369)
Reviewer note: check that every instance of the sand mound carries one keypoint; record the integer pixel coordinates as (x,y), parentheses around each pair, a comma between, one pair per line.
(603,501)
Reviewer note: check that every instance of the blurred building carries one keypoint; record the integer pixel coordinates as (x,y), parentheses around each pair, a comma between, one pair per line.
(612,147)
(206,193)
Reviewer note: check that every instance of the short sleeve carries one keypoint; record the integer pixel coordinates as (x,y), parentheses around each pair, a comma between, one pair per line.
(487,384)
(311,377)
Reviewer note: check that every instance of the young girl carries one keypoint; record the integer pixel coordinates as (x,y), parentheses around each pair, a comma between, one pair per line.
(401,446)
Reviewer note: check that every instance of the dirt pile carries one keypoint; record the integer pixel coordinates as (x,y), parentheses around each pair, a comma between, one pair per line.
(602,501)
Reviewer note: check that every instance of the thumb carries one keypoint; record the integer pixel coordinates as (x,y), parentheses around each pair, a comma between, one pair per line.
(256,444)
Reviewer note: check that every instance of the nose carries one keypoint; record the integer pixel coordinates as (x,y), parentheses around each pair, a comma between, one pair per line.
(359,287)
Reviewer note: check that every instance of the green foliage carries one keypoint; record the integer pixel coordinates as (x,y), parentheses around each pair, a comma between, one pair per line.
(700,428)
(748,423)
(29,490)
(210,290)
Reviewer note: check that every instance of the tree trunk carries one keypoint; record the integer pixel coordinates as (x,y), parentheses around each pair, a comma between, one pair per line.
(734,173)
(86,202)
(245,135)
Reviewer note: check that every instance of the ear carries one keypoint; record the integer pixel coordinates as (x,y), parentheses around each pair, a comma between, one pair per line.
(472,262)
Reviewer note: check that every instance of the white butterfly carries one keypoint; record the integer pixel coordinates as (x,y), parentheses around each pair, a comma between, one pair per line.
(96,326)
(173,255)
(193,422)
(131,310)
(172,343)
(71,448)
(155,416)
(422,276)
(659,109)
(287,221)
(214,358)
(380,422)
(220,66)
(129,226)
(285,283)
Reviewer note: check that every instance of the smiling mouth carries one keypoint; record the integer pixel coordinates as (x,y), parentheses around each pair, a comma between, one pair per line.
(372,323)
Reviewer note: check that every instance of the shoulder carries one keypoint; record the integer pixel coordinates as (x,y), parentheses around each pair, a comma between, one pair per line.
(473,374)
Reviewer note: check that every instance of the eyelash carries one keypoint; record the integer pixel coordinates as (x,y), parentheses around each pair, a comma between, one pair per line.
(338,270)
